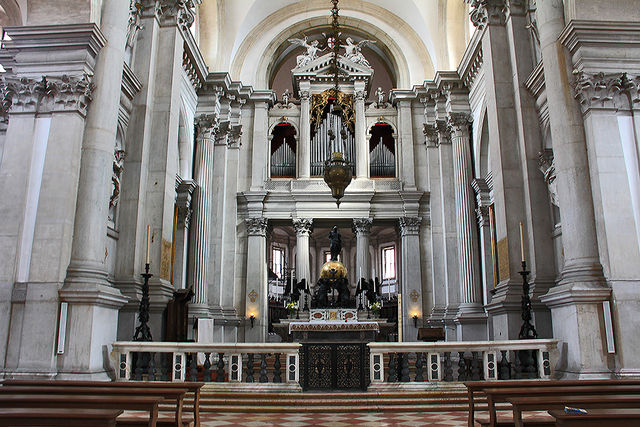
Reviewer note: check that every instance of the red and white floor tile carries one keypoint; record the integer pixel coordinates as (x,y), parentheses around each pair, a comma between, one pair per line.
(435,419)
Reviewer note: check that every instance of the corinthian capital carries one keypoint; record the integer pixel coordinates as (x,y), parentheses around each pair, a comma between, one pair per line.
(410,225)
(256,226)
(59,93)
(303,226)
(207,126)
(599,90)
(362,225)
(458,123)
(173,12)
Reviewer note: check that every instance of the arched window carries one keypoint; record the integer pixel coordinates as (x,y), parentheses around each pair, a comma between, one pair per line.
(283,151)
(382,151)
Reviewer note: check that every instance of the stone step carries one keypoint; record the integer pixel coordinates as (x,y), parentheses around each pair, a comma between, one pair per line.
(333,408)
(332,402)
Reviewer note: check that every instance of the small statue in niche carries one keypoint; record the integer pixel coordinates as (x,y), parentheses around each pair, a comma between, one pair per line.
(285,98)
(312,51)
(380,97)
(353,51)
(335,243)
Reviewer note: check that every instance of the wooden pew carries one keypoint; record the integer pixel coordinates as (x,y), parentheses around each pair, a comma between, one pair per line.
(193,387)
(557,402)
(172,394)
(478,386)
(499,394)
(59,417)
(73,402)
(626,417)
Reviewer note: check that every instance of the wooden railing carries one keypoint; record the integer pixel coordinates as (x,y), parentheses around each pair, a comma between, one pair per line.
(216,362)
(461,361)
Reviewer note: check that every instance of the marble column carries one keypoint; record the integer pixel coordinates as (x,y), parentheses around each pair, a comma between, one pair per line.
(304,147)
(362,147)
(576,302)
(362,230)
(94,302)
(303,227)
(471,316)
(410,277)
(206,126)
(256,297)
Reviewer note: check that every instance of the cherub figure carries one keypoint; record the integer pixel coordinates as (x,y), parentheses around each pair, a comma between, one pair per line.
(353,51)
(312,51)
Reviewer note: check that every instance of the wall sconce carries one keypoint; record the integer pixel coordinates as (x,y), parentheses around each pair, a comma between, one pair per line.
(415,320)
(252,318)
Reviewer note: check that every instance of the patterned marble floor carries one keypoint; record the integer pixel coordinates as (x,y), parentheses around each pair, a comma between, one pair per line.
(434,419)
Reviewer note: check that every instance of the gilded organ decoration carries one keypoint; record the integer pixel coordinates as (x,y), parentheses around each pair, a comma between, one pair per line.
(320,101)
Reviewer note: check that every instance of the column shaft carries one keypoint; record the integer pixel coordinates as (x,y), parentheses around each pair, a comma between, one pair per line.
(304,153)
(303,227)
(362,152)
(411,276)
(257,301)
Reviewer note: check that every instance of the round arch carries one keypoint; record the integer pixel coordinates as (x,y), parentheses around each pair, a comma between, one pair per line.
(412,60)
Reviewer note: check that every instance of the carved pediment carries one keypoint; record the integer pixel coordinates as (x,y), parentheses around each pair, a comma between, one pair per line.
(321,70)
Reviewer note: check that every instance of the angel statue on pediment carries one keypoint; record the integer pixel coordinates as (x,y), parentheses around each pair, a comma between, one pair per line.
(313,49)
(353,51)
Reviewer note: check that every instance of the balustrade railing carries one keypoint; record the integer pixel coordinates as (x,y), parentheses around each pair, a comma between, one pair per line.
(461,361)
(216,362)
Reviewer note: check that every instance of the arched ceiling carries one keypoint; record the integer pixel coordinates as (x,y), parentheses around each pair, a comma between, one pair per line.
(418,37)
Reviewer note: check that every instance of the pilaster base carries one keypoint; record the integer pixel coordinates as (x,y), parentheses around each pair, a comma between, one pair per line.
(577,317)
(91,328)
(471,326)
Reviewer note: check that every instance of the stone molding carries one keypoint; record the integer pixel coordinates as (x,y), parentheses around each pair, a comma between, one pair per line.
(362,226)
(410,225)
(49,94)
(606,90)
(256,226)
(303,226)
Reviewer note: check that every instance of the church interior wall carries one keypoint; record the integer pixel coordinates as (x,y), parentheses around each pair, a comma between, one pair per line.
(43,180)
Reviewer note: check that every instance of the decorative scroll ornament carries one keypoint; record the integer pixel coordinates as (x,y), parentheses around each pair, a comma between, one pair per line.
(59,93)
(362,225)
(256,226)
(346,102)
(410,225)
(548,169)
(487,12)
(134,25)
(303,226)
(118,166)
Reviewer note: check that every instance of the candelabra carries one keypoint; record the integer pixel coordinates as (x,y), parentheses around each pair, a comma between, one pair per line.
(143,333)
(527,368)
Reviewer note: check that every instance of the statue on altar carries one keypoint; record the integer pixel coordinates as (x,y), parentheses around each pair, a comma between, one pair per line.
(333,277)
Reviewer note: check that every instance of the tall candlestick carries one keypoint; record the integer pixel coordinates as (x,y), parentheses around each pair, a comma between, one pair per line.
(148,242)
(521,243)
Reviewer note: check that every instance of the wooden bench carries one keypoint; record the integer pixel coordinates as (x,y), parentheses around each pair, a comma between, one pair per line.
(59,417)
(558,402)
(73,402)
(171,394)
(598,417)
(495,395)
(478,386)
(192,387)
